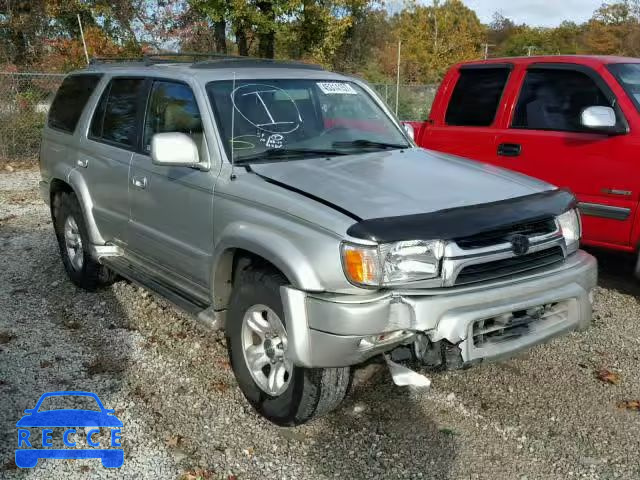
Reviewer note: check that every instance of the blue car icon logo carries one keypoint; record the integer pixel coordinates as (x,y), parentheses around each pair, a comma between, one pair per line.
(28,452)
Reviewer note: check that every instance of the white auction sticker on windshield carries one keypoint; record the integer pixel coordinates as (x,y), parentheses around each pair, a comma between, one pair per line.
(336,88)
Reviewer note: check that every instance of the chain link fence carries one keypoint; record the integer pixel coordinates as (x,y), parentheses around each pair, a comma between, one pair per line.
(24,102)
(414,101)
(25,99)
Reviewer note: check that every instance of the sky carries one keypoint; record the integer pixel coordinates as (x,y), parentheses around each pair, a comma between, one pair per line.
(539,13)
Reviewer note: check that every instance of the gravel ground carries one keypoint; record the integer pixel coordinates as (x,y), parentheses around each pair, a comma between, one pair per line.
(542,415)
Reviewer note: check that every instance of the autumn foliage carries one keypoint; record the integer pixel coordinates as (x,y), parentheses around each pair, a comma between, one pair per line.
(354,36)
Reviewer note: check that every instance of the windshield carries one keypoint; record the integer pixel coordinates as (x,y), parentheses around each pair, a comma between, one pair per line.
(628,75)
(268,120)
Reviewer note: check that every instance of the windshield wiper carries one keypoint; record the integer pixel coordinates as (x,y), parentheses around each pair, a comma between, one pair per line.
(286,153)
(363,143)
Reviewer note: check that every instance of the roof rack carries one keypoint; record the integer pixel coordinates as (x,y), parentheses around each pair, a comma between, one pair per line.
(203,60)
(101,60)
(248,62)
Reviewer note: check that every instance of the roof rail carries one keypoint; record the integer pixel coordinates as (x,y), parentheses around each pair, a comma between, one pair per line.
(170,57)
(149,59)
(204,60)
(238,61)
(101,60)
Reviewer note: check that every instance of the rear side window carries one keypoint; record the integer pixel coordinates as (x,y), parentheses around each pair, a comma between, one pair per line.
(476,96)
(116,118)
(553,99)
(70,100)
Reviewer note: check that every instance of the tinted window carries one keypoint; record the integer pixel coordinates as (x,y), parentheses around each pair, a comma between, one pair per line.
(115,118)
(628,75)
(475,99)
(172,108)
(70,100)
(554,100)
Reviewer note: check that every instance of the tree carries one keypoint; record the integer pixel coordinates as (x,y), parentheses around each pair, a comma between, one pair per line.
(614,29)
(23,23)
(433,38)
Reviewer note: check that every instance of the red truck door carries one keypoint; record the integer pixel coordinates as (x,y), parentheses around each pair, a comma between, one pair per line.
(543,137)
(461,122)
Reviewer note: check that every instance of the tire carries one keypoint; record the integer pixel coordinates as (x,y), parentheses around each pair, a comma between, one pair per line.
(82,269)
(311,392)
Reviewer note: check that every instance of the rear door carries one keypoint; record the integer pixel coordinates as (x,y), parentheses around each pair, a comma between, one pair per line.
(64,115)
(105,153)
(171,223)
(544,138)
(466,126)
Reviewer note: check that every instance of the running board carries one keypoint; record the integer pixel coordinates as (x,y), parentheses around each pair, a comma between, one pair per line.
(202,311)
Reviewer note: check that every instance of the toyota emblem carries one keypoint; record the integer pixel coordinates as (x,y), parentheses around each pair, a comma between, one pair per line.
(520,244)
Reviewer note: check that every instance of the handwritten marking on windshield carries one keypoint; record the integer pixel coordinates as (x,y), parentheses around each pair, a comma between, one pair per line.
(278,122)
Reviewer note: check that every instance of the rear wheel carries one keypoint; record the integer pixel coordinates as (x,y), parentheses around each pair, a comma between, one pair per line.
(73,241)
(281,392)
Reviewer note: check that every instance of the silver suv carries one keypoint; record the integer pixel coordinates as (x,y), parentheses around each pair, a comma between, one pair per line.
(286,205)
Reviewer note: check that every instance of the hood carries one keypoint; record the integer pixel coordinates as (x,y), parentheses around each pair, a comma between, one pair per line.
(398,183)
(69,418)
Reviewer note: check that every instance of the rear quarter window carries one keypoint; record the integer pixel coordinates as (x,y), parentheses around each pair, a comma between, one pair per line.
(69,102)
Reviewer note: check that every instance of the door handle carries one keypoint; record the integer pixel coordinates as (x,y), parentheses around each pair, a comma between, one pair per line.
(82,162)
(509,149)
(140,182)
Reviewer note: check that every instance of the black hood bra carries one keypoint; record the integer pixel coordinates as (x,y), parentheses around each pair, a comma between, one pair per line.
(465,221)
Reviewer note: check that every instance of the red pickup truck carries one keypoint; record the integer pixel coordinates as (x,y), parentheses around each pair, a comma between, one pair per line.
(573,121)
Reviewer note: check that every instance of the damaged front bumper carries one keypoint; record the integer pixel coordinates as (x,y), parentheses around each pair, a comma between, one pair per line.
(484,321)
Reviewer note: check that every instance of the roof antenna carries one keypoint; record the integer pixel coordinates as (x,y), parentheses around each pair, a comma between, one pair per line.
(233,124)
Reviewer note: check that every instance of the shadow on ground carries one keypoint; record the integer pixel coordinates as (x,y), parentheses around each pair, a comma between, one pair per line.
(401,437)
(616,271)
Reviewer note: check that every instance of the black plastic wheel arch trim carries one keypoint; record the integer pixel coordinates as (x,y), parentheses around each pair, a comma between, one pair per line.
(459,222)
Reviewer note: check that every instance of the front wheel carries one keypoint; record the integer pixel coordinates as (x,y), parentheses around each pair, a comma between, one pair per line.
(257,343)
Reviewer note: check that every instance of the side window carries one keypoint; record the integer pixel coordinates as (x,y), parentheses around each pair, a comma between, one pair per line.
(70,100)
(114,120)
(476,96)
(554,99)
(173,108)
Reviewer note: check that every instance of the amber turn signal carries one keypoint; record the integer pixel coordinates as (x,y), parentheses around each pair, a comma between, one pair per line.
(361,264)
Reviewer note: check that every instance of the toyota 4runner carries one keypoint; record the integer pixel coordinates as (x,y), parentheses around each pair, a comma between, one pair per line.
(286,205)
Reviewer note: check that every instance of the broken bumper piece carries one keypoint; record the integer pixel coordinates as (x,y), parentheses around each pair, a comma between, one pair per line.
(484,321)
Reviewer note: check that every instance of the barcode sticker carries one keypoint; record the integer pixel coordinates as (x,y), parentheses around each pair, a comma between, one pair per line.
(336,88)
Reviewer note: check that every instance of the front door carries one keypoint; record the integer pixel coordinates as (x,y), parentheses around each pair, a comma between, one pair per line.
(545,139)
(171,222)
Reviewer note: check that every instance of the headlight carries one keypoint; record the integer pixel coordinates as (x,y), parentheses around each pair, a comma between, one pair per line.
(392,263)
(571,229)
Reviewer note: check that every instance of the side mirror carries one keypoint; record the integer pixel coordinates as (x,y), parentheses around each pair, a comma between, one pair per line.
(30,410)
(599,119)
(174,149)
(409,129)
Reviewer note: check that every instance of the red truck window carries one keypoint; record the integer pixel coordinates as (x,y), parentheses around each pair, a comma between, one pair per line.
(553,99)
(476,96)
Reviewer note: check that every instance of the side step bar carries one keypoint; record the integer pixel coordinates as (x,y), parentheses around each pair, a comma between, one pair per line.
(191,305)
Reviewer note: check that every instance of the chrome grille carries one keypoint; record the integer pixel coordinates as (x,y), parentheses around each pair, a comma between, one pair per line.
(502,235)
(505,267)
